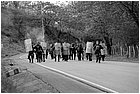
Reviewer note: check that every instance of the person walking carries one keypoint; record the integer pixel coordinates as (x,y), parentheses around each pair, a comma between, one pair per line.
(89,50)
(70,56)
(43,56)
(97,49)
(39,50)
(62,55)
(57,51)
(79,52)
(68,45)
(47,50)
(103,50)
(83,53)
(73,49)
(31,56)
(51,51)
(65,51)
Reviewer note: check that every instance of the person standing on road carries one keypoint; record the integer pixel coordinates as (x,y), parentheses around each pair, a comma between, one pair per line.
(62,55)
(89,50)
(97,49)
(103,50)
(79,52)
(43,56)
(70,56)
(47,50)
(65,51)
(73,49)
(68,45)
(31,55)
(39,51)
(57,51)
(51,51)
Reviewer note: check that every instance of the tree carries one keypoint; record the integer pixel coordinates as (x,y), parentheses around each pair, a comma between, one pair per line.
(132,8)
(102,19)
(114,22)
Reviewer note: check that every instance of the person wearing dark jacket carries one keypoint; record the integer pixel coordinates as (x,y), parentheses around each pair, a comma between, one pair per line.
(97,49)
(79,52)
(47,53)
(39,51)
(31,56)
(51,51)
(73,51)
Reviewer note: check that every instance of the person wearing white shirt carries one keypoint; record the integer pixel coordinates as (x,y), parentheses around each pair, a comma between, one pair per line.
(57,51)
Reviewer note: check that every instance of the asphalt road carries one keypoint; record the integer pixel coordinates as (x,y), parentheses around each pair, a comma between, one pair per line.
(119,76)
(58,81)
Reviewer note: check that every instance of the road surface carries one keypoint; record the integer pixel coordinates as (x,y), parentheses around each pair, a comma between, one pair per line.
(119,76)
(62,83)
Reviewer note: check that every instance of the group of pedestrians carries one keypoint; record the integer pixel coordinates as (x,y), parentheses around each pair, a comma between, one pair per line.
(64,50)
(69,51)
(100,51)
(39,52)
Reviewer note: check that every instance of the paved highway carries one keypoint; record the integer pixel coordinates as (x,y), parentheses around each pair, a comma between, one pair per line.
(119,76)
(58,81)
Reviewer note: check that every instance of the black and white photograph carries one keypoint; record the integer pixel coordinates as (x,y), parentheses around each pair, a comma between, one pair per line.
(59,46)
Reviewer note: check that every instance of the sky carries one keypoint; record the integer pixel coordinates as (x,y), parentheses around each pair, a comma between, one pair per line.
(59,2)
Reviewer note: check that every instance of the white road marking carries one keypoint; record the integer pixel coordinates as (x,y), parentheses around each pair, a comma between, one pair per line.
(80,79)
(25,56)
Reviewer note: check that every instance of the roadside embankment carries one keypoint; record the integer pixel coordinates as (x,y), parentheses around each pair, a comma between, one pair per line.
(22,81)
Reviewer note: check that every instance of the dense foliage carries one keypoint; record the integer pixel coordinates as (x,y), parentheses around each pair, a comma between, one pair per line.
(115,22)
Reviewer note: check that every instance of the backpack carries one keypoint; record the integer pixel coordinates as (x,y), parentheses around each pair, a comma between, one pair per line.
(97,49)
(80,48)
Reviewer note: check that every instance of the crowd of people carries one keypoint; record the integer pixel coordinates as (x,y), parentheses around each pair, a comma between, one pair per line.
(69,51)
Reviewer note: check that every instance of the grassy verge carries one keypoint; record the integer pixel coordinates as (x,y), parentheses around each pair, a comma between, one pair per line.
(120,59)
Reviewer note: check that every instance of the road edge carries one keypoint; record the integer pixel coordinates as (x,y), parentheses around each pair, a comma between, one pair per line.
(94,85)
